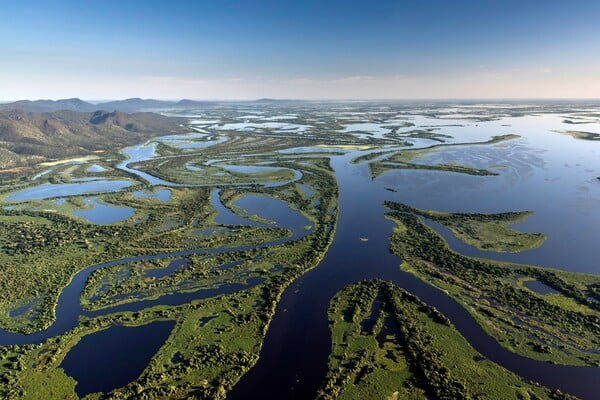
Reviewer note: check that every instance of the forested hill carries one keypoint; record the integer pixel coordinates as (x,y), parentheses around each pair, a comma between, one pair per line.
(29,138)
(127,105)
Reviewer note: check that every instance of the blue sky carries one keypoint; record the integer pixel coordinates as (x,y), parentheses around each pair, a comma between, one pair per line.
(299,49)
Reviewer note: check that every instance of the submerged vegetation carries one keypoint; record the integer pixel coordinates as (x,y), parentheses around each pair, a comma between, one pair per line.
(404,159)
(582,135)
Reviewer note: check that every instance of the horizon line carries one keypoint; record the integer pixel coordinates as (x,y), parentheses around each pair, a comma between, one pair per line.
(232,100)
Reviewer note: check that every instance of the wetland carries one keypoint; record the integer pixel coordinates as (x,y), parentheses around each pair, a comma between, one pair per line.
(354,250)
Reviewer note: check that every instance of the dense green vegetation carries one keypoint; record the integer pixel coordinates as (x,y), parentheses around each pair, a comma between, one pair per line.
(214,342)
(484,231)
(562,328)
(40,255)
(387,344)
(216,339)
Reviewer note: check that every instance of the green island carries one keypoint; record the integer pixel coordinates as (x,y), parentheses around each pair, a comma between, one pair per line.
(387,344)
(485,231)
(403,159)
(562,327)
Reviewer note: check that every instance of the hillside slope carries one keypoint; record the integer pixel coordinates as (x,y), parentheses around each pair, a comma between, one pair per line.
(28,138)
(127,105)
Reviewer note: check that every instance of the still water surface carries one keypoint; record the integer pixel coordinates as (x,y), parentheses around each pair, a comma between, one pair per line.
(551,174)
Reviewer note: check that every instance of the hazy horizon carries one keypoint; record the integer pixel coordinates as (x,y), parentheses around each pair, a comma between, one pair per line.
(498,100)
(384,50)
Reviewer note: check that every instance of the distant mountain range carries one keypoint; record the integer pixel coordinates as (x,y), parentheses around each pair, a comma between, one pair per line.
(128,105)
(27,138)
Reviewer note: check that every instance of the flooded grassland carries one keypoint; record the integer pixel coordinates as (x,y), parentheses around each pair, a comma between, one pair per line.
(340,245)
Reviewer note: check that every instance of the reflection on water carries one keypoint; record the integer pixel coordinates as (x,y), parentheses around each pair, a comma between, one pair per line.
(300,326)
(199,140)
(96,168)
(139,153)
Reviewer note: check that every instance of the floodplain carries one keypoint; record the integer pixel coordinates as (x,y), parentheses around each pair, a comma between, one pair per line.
(354,250)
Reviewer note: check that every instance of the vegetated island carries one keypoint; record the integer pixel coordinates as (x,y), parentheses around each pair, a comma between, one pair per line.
(403,159)
(215,339)
(562,326)
(489,232)
(388,344)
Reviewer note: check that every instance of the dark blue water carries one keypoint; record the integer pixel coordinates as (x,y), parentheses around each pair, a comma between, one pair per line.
(273,210)
(69,308)
(175,299)
(278,211)
(114,357)
(298,342)
(227,217)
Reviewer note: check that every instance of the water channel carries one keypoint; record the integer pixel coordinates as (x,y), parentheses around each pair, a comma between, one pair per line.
(298,340)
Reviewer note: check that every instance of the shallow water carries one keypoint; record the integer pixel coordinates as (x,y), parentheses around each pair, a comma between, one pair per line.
(163,195)
(251,126)
(377,130)
(143,152)
(249,169)
(39,175)
(104,214)
(539,287)
(551,174)
(96,168)
(49,190)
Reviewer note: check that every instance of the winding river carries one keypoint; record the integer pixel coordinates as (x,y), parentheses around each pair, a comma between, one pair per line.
(293,358)
(298,342)
(69,309)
